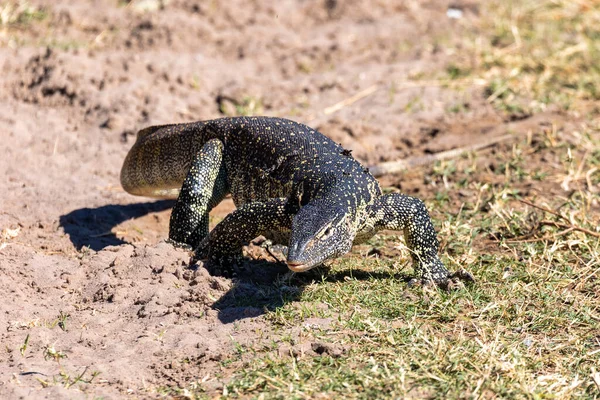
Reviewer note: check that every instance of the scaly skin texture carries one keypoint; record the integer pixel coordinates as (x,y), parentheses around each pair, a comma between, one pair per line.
(289,183)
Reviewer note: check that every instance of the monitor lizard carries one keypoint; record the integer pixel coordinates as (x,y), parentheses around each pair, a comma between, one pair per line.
(289,182)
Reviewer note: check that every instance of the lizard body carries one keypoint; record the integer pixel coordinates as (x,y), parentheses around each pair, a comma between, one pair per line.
(289,183)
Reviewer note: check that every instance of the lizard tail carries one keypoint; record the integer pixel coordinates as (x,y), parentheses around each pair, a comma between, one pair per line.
(157,163)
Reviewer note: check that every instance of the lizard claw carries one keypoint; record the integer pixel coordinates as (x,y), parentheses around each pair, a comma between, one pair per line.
(179,245)
(463,275)
(454,281)
(225,265)
(222,263)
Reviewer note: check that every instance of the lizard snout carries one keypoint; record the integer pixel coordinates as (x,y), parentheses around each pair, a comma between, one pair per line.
(296,261)
(298,266)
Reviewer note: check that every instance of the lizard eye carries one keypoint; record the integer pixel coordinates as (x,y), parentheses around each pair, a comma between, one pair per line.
(326,233)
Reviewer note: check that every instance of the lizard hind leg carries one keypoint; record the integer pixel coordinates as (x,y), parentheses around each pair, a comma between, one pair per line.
(203,188)
(396,211)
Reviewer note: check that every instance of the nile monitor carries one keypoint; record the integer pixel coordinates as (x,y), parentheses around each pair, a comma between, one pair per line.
(289,183)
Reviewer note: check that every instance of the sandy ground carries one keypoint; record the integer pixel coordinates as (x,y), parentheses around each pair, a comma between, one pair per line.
(86,280)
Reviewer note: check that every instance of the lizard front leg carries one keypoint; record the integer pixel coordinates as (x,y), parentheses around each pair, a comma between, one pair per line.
(224,243)
(203,188)
(396,211)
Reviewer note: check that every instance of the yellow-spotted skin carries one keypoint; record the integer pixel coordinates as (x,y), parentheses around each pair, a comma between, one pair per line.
(289,183)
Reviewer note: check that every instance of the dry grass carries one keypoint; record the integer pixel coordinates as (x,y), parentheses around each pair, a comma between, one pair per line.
(529,328)
(539,53)
(525,223)
(524,220)
(18,14)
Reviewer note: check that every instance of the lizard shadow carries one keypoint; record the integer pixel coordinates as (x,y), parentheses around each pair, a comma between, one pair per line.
(361,275)
(91,227)
(261,286)
(257,287)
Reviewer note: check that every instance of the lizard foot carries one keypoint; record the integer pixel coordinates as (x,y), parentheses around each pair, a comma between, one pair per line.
(279,252)
(179,245)
(463,275)
(454,281)
(223,264)
(457,280)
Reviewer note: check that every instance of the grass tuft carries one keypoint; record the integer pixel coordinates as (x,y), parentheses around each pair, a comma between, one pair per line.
(537,53)
(20,14)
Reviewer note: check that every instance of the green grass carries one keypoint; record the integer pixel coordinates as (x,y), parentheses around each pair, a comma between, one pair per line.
(247,106)
(525,224)
(523,219)
(537,53)
(527,329)
(19,14)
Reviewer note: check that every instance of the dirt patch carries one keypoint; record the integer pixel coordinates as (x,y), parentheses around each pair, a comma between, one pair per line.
(128,314)
(94,302)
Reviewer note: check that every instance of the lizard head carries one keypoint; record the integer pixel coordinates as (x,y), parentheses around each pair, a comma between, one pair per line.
(319,231)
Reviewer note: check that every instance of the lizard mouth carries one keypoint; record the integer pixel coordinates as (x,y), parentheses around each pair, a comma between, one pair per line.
(298,266)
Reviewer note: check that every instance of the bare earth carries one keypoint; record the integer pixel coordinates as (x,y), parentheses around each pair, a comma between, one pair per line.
(86,278)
